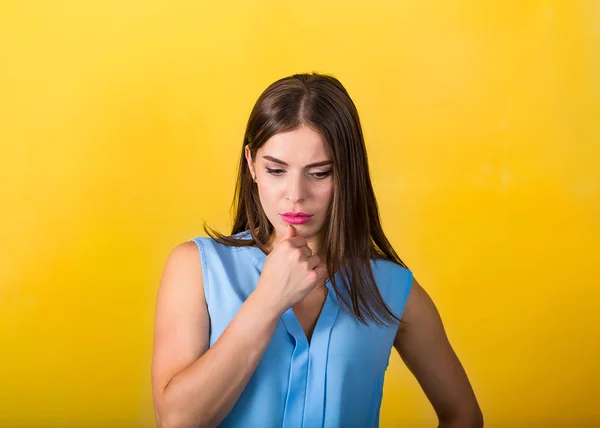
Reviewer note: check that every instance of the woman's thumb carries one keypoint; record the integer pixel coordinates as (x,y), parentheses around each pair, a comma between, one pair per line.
(289,232)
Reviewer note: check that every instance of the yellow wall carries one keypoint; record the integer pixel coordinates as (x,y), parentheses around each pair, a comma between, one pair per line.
(120,127)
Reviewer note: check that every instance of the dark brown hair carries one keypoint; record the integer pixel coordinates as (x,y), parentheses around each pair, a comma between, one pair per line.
(354,234)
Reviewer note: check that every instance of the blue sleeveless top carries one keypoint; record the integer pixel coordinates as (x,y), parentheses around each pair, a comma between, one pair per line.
(336,380)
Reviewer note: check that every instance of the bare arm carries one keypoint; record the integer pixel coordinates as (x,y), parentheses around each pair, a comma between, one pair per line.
(423,345)
(193,385)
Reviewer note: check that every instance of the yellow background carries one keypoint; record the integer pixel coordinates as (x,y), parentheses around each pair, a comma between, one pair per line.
(121,124)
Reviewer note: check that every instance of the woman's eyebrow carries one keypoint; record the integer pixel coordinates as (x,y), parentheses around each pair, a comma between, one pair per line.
(320,163)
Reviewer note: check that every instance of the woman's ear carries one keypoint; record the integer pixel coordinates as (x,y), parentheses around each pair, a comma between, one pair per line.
(248,155)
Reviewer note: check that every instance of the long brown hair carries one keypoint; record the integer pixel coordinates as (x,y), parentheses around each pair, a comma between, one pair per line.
(354,234)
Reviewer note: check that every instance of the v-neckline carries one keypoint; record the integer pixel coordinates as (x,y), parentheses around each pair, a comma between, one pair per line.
(326,317)
(307,310)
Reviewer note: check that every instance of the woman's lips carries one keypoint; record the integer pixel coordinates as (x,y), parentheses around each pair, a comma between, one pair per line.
(295,218)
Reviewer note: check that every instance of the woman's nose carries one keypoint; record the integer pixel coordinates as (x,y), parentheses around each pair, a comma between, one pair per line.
(295,190)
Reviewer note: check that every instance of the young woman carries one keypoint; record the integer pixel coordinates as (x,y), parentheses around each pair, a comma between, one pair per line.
(290,320)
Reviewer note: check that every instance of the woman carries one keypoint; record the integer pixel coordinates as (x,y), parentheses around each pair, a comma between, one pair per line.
(289,321)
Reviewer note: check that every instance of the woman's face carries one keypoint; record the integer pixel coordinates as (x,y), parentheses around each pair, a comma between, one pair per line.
(294,175)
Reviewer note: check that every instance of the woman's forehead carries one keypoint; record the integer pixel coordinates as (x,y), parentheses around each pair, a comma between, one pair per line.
(301,147)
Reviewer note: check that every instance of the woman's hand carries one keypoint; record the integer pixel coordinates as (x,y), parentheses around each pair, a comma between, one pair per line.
(290,272)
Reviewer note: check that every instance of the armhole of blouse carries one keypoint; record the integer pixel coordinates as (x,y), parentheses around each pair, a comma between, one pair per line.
(406,290)
(202,252)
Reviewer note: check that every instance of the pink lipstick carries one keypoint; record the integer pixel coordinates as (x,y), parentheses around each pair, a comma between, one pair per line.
(292,217)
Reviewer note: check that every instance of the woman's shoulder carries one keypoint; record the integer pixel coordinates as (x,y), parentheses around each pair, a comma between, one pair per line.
(393,280)
(389,267)
(182,274)
(222,252)
(204,243)
(194,253)
(190,261)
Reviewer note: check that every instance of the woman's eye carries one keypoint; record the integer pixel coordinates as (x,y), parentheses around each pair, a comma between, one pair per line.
(318,175)
(274,171)
(321,175)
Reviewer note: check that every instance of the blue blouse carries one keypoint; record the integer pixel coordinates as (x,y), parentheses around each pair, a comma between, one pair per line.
(336,380)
